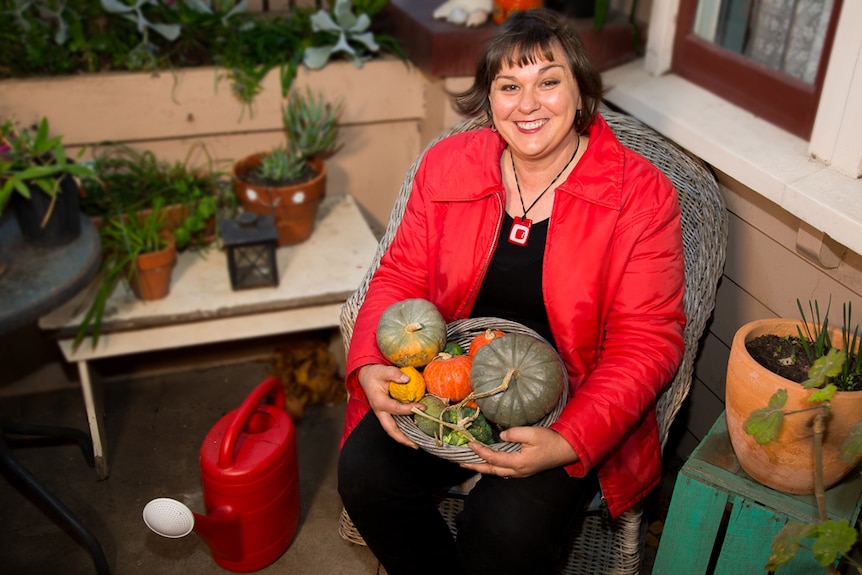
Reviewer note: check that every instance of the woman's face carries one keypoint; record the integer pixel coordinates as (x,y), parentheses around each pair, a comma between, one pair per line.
(534,106)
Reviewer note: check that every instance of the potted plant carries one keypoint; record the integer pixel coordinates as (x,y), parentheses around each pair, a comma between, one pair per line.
(130,180)
(289,181)
(36,167)
(139,249)
(798,430)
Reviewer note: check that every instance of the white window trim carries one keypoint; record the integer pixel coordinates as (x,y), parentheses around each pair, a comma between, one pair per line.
(817,181)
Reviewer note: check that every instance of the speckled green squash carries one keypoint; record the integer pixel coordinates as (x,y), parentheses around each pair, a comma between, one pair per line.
(536,384)
(411,332)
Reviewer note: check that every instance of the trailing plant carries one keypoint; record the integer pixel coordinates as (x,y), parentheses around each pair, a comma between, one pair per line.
(53,37)
(38,160)
(124,237)
(831,370)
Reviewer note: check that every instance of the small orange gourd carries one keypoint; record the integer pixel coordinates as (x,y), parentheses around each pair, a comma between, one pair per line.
(448,376)
(484,338)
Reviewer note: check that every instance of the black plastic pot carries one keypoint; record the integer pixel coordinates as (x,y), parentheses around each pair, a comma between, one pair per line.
(64,224)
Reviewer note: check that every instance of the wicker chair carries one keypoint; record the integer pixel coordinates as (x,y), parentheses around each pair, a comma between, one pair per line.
(600,545)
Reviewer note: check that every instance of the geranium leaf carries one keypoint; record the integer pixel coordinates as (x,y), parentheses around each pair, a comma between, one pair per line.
(834,538)
(763,424)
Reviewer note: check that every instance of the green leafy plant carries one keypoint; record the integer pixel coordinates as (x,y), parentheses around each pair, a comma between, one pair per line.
(129,180)
(831,370)
(37,160)
(50,37)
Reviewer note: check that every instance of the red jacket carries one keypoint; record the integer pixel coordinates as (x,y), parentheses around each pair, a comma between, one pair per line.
(613,287)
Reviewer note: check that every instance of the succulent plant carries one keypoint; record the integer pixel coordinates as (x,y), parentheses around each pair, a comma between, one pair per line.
(311,126)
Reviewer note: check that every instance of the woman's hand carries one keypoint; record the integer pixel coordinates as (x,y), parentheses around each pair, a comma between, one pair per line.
(374,380)
(541,449)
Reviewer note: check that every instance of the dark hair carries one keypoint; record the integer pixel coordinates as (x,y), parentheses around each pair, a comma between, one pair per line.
(523,38)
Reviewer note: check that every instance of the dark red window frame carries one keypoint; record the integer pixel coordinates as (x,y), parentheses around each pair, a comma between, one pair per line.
(774,96)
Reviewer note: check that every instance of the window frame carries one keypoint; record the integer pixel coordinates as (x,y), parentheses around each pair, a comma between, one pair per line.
(774,96)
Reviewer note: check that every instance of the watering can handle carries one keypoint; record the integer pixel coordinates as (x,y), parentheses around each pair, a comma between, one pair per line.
(270,384)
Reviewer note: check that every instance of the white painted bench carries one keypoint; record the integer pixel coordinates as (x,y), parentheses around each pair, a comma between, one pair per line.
(316,277)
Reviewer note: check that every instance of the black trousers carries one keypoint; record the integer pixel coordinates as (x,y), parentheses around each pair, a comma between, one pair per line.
(508,526)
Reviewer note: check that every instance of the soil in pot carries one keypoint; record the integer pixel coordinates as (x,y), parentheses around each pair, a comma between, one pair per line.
(784,356)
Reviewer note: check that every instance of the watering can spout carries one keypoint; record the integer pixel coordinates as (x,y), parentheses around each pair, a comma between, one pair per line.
(219,530)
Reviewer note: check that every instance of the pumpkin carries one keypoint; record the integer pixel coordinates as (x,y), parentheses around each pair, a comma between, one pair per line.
(434,407)
(484,338)
(448,376)
(409,392)
(533,373)
(411,332)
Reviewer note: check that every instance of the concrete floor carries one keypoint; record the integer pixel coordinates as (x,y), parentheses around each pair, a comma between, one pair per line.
(155,425)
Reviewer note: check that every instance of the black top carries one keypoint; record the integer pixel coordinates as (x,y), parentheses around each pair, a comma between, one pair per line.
(512,288)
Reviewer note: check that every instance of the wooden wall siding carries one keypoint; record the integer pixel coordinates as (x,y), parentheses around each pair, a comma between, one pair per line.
(763,277)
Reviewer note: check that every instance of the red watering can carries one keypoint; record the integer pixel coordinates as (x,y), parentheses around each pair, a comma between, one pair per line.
(250,483)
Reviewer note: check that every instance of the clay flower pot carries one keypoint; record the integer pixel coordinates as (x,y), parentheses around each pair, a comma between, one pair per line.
(294,207)
(152,277)
(786,464)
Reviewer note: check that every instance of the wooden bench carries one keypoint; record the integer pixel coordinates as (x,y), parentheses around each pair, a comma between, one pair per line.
(316,277)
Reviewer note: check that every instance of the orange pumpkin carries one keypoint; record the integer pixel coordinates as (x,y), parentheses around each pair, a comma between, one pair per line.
(448,376)
(484,338)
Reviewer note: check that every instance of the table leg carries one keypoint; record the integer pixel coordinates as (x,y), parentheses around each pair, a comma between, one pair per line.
(91,388)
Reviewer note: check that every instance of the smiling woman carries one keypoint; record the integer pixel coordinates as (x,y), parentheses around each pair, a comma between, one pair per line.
(547,156)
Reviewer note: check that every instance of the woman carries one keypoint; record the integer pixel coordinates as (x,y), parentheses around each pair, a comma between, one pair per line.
(545,219)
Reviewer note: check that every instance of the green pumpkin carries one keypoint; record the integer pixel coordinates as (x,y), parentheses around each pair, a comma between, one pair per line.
(536,379)
(434,407)
(411,332)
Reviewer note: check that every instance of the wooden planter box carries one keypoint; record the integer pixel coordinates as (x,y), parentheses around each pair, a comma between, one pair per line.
(168,112)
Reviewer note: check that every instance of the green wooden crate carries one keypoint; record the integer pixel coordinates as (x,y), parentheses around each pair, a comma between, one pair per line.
(722,522)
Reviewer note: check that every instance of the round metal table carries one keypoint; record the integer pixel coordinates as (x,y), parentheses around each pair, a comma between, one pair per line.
(36,280)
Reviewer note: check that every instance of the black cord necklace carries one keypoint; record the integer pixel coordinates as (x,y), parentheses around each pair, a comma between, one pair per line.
(520,232)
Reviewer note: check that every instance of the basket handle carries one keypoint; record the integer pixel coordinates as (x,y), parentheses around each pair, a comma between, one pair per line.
(227,457)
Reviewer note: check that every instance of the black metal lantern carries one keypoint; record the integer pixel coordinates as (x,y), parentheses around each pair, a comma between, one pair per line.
(250,241)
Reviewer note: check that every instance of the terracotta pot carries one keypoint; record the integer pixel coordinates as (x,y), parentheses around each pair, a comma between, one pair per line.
(152,278)
(294,207)
(786,464)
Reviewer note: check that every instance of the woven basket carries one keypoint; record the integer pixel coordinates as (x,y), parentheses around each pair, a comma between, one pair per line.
(462,332)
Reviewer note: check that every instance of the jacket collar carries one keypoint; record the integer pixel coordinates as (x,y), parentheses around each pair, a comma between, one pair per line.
(597,178)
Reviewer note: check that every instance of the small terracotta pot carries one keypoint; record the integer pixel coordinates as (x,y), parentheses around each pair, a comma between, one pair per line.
(786,464)
(294,207)
(152,278)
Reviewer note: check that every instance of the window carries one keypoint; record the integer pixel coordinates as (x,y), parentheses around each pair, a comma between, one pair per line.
(767,56)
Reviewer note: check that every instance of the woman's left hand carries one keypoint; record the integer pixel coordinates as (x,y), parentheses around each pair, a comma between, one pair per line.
(541,449)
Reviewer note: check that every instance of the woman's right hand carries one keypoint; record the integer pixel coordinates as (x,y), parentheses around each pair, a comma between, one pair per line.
(374,379)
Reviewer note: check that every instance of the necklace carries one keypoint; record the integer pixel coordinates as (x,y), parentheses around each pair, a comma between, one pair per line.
(520,232)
